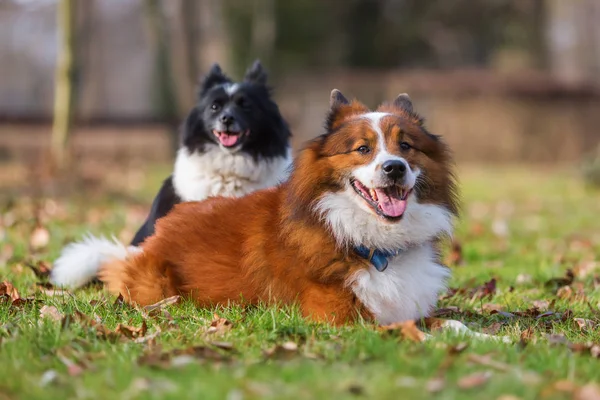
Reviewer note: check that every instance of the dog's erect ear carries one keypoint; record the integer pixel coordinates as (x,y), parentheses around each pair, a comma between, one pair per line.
(403,102)
(337,99)
(256,73)
(214,77)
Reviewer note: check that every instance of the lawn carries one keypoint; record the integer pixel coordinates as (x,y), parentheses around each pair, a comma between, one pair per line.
(524,265)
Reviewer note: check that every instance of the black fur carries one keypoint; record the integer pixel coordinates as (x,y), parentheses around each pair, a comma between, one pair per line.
(251,110)
(162,204)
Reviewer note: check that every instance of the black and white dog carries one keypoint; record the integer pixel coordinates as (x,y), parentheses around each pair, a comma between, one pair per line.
(234,141)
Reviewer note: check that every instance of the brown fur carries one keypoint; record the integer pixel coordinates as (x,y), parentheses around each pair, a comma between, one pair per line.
(270,246)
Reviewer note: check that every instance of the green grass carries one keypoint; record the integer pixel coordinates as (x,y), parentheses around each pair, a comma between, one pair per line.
(521,226)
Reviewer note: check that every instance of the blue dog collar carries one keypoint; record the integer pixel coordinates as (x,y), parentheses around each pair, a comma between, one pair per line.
(378,258)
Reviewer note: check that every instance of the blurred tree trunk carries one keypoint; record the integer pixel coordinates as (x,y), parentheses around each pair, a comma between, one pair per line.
(573,37)
(191,36)
(64,86)
(163,78)
(214,34)
(264,30)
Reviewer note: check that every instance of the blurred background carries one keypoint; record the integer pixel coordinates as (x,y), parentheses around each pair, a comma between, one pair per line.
(505,81)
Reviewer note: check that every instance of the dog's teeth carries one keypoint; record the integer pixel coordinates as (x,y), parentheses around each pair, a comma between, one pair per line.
(373,194)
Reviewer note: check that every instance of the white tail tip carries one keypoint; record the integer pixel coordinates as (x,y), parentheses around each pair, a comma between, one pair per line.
(79,262)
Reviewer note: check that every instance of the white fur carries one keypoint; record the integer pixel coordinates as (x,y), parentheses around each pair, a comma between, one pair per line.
(407,289)
(353,223)
(79,261)
(218,173)
(196,177)
(231,88)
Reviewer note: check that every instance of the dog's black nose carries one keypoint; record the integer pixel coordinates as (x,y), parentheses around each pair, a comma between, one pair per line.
(227,119)
(394,169)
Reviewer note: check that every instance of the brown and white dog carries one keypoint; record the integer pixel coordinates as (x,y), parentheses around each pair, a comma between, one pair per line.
(351,234)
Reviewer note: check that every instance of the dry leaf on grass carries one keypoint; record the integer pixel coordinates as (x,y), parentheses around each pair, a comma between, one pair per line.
(219,325)
(181,356)
(51,312)
(435,385)
(53,292)
(485,290)
(474,380)
(455,257)
(591,349)
(156,308)
(561,281)
(39,239)
(491,307)
(543,305)
(492,329)
(41,269)
(487,361)
(73,368)
(584,324)
(8,291)
(408,330)
(591,391)
(446,312)
(131,332)
(284,351)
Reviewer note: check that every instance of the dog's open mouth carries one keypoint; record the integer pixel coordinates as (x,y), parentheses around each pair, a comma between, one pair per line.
(231,139)
(389,202)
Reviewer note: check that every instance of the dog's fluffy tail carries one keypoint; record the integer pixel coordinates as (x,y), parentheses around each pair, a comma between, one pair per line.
(79,262)
(142,278)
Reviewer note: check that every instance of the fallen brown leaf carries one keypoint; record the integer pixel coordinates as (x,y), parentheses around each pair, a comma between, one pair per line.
(492,329)
(284,351)
(73,368)
(51,312)
(455,257)
(222,345)
(408,330)
(8,291)
(491,307)
(39,239)
(474,380)
(131,332)
(562,281)
(446,312)
(165,359)
(485,290)
(457,349)
(591,349)
(541,305)
(219,325)
(591,391)
(53,292)
(585,268)
(487,361)
(584,324)
(41,269)
(436,385)
(155,308)
(526,336)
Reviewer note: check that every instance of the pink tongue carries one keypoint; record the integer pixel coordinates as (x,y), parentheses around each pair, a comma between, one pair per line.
(392,207)
(228,140)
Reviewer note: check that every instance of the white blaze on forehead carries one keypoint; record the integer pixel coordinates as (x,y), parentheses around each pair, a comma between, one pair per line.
(369,174)
(231,88)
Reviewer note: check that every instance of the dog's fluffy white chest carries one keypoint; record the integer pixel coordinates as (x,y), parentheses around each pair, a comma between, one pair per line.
(218,173)
(407,289)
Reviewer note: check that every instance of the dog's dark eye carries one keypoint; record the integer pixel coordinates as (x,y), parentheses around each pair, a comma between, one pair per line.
(405,146)
(215,107)
(364,150)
